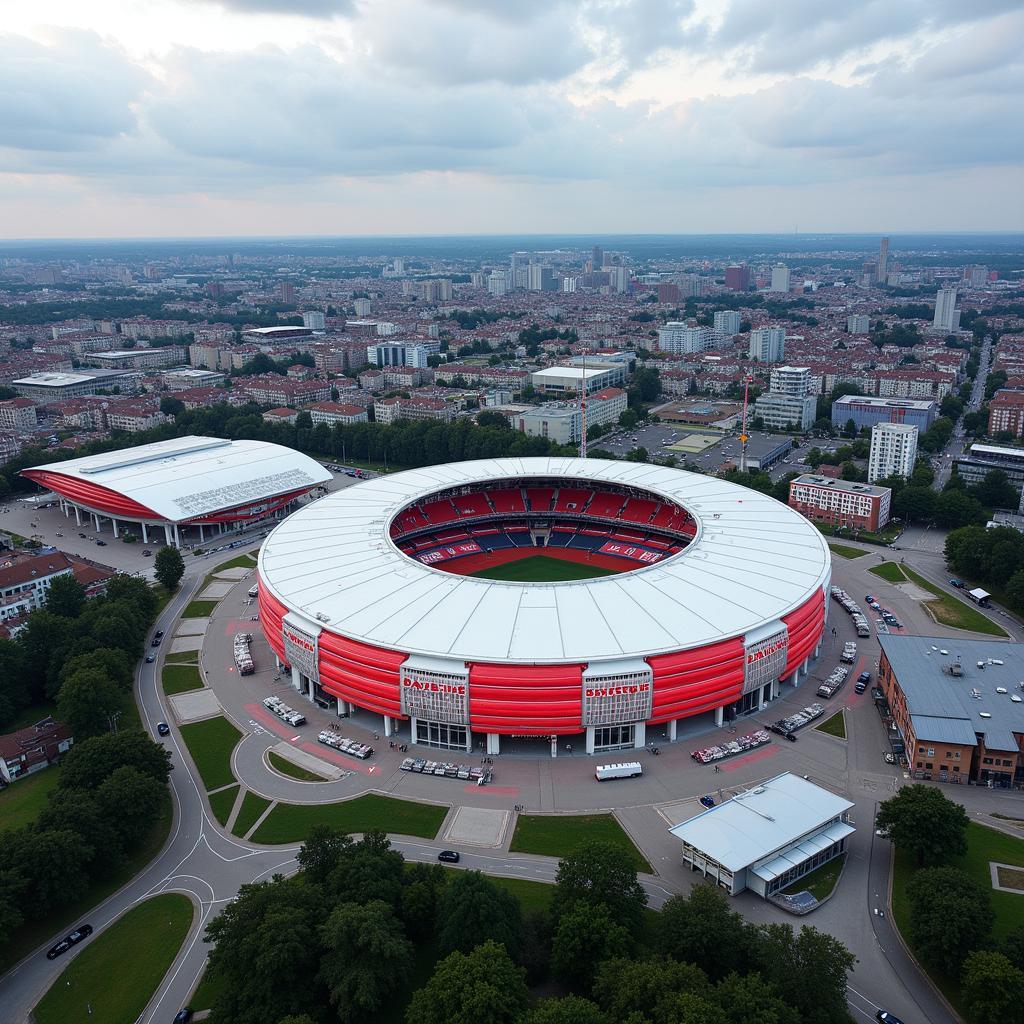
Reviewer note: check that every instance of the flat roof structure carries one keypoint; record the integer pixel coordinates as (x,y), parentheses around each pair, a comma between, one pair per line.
(61,380)
(835,484)
(924,404)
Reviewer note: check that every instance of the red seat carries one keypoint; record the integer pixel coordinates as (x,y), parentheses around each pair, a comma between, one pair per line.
(605,505)
(437,512)
(572,500)
(540,498)
(638,510)
(472,505)
(510,500)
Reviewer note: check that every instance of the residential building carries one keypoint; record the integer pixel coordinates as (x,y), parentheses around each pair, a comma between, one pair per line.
(18,414)
(275,390)
(841,502)
(498,283)
(780,278)
(768,344)
(33,748)
(947,316)
(680,338)
(182,378)
(284,333)
(387,410)
(137,358)
(489,376)
(893,450)
(976,276)
(795,381)
(558,380)
(737,278)
(785,412)
(883,265)
(562,425)
(362,307)
(337,412)
(950,701)
(540,278)
(858,323)
(727,321)
(135,416)
(25,581)
(767,837)
(314,320)
(398,355)
(606,406)
(866,411)
(46,387)
(1005,413)
(282,415)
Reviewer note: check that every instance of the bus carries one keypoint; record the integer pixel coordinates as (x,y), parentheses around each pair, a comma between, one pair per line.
(979,597)
(628,770)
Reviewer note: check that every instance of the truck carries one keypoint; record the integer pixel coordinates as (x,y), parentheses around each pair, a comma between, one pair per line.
(254,590)
(979,597)
(626,770)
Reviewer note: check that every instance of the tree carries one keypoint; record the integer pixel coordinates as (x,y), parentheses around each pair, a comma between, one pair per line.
(66,597)
(491,418)
(965,549)
(650,987)
(12,889)
(54,863)
(811,967)
(90,761)
(850,430)
(567,1010)
(628,419)
(954,508)
(171,406)
(169,567)
(749,999)
(367,957)
(993,988)
(920,819)
(703,929)
(585,936)
(640,454)
(369,870)
(14,687)
(130,800)
(86,702)
(1015,591)
(995,491)
(600,873)
(481,987)
(472,909)
(950,916)
(322,851)
(916,504)
(115,664)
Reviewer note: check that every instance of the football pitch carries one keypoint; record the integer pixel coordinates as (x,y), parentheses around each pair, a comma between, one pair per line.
(542,569)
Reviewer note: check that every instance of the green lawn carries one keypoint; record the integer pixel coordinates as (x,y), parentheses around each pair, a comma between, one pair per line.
(983,845)
(31,715)
(135,951)
(222,802)
(290,823)
(952,612)
(846,552)
(179,678)
(889,571)
(36,931)
(210,743)
(834,726)
(542,569)
(821,881)
(557,835)
(206,991)
(286,767)
(23,801)
(198,609)
(249,813)
(182,658)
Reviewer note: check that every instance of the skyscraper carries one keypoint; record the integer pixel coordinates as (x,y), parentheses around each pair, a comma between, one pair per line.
(780,278)
(768,344)
(883,261)
(893,450)
(727,322)
(596,258)
(737,277)
(947,316)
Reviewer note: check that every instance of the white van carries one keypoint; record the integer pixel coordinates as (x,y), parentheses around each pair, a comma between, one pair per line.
(628,770)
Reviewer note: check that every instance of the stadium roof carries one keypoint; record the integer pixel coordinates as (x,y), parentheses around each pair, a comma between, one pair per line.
(189,477)
(757,822)
(752,561)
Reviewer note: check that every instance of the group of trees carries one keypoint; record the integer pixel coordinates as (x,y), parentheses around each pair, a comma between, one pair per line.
(994,558)
(950,914)
(341,939)
(110,790)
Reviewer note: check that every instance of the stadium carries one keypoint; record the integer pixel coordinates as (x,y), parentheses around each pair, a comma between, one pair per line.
(559,599)
(190,488)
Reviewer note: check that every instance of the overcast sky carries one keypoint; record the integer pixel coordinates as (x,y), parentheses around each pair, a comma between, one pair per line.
(196,117)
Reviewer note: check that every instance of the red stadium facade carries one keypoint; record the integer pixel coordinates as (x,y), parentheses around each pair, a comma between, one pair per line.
(604,703)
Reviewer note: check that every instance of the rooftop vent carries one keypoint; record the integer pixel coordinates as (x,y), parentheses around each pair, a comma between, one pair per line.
(943,651)
(1000,689)
(984,714)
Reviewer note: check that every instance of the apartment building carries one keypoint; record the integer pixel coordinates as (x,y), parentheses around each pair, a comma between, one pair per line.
(337,412)
(841,502)
(1005,413)
(18,414)
(893,450)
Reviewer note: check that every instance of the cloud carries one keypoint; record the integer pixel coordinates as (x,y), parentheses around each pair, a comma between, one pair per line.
(300,8)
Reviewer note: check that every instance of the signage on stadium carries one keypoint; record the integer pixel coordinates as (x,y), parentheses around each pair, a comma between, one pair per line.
(618,699)
(765,661)
(766,652)
(615,691)
(301,651)
(434,697)
(432,687)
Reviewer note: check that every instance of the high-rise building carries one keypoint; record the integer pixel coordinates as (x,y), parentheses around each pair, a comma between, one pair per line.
(780,278)
(286,291)
(976,276)
(570,284)
(768,344)
(790,380)
(858,323)
(947,316)
(497,283)
(893,450)
(540,278)
(883,261)
(362,307)
(737,277)
(314,320)
(1006,413)
(618,279)
(596,258)
(519,259)
(680,339)
(785,412)
(398,265)
(727,322)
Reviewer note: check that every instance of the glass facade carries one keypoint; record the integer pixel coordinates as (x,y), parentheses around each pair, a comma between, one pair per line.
(613,737)
(441,734)
(787,878)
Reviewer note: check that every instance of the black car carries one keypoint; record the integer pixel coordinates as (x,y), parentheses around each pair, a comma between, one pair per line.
(78,935)
(791,736)
(101,543)
(163,728)
(183,1016)
(864,677)
(156,642)
(150,658)
(887,1018)
(159,634)
(449,856)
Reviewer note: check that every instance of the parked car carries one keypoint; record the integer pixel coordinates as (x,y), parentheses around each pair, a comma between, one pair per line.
(957,583)
(449,856)
(708,801)
(81,933)
(869,598)
(864,677)
(889,758)
(183,1016)
(146,554)
(163,728)
(101,543)
(159,634)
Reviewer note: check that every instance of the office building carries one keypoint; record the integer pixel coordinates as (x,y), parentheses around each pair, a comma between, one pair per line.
(893,450)
(947,316)
(785,412)
(856,506)
(138,358)
(858,323)
(398,355)
(679,338)
(596,258)
(768,344)
(44,388)
(555,380)
(866,411)
(737,278)
(618,279)
(791,380)
(883,263)
(1006,413)
(560,425)
(780,278)
(540,278)
(727,321)
(981,459)
(314,320)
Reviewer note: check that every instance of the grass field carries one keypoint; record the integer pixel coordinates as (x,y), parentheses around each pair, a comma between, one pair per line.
(834,726)
(983,845)
(23,801)
(206,992)
(888,571)
(198,609)
(557,835)
(136,950)
(39,929)
(31,715)
(293,771)
(290,823)
(249,813)
(182,658)
(210,743)
(846,552)
(542,569)
(222,802)
(821,881)
(179,678)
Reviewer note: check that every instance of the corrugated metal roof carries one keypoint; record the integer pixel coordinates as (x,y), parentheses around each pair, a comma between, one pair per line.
(753,561)
(943,730)
(758,822)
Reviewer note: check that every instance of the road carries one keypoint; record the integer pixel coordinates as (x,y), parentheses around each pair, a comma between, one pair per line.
(945,460)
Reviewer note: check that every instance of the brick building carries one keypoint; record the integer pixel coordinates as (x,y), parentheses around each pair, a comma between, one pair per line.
(841,502)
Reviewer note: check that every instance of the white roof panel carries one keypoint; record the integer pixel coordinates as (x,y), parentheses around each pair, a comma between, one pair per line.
(753,561)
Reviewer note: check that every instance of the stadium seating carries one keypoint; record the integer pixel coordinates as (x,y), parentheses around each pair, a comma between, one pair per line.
(605,506)
(638,510)
(507,500)
(572,500)
(540,498)
(472,505)
(438,512)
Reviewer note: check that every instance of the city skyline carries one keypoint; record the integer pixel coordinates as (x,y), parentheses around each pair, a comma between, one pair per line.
(190,118)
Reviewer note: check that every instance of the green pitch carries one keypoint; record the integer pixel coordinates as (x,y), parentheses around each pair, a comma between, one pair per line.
(542,569)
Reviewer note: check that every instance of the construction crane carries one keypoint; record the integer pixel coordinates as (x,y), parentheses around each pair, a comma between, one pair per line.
(747,381)
(583,410)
